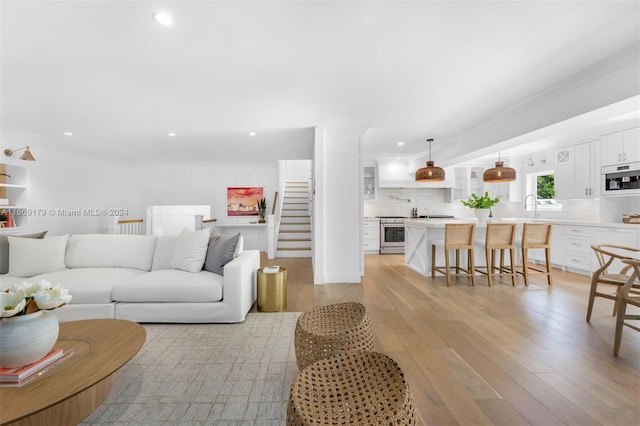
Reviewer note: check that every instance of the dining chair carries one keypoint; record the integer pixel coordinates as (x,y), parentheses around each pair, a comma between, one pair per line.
(627,297)
(457,236)
(535,236)
(499,237)
(610,257)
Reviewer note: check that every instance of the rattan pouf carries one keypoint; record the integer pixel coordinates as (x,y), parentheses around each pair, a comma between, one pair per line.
(332,329)
(353,388)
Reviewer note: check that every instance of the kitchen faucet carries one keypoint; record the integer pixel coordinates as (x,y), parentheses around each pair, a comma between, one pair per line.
(535,204)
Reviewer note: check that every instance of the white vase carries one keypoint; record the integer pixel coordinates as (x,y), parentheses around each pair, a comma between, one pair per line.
(482,214)
(27,338)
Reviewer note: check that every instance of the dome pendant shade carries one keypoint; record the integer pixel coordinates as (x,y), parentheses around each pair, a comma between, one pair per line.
(430,173)
(499,174)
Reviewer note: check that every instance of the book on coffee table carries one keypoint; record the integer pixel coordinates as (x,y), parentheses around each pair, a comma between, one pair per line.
(16,374)
(271,269)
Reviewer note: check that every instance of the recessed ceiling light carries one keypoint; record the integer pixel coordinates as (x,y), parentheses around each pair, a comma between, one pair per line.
(252,133)
(68,134)
(400,143)
(163,18)
(171,134)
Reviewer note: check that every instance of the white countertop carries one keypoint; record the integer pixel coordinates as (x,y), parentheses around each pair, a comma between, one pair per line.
(440,223)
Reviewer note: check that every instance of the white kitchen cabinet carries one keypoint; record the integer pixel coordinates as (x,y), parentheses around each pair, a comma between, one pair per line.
(621,147)
(577,173)
(468,180)
(617,236)
(371,236)
(369,182)
(576,249)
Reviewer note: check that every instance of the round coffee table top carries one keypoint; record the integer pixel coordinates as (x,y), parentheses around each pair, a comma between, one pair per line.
(101,347)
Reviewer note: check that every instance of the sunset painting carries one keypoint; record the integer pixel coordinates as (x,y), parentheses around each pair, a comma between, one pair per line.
(243,201)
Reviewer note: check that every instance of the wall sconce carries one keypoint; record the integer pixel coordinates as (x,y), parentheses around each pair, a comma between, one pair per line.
(26,156)
(530,162)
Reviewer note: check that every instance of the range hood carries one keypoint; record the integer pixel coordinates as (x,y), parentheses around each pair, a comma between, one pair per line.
(396,174)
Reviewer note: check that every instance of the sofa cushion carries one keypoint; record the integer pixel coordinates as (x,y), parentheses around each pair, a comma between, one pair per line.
(170,285)
(190,250)
(29,257)
(221,251)
(90,285)
(164,252)
(4,248)
(111,251)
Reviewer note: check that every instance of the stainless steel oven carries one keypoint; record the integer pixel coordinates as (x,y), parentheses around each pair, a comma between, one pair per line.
(392,235)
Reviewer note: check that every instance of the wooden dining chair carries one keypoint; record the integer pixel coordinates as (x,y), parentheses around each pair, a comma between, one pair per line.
(457,236)
(535,236)
(499,237)
(627,297)
(612,272)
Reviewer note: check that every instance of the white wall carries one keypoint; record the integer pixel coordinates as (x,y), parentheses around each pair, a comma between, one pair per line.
(195,184)
(74,189)
(64,181)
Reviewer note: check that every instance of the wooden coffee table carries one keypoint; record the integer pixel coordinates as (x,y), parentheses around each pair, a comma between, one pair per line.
(73,389)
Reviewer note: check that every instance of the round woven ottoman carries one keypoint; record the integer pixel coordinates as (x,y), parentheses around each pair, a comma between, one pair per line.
(353,388)
(332,329)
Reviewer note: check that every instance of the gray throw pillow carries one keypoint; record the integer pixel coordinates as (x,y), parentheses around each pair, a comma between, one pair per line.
(4,248)
(220,252)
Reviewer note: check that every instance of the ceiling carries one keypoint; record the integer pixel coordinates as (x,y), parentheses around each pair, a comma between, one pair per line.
(120,82)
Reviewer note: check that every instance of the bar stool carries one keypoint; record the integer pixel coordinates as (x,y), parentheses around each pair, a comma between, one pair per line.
(457,236)
(499,236)
(536,236)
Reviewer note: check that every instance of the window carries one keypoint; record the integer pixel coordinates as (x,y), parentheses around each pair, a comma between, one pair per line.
(542,185)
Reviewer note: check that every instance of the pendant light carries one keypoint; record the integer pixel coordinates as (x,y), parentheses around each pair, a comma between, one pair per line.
(430,173)
(499,173)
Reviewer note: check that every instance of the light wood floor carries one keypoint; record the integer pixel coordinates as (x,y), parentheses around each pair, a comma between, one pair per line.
(491,355)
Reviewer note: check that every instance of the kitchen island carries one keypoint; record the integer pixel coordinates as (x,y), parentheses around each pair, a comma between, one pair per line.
(418,235)
(570,242)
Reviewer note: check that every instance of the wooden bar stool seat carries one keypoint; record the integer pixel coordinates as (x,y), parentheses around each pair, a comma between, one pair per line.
(535,236)
(499,237)
(457,236)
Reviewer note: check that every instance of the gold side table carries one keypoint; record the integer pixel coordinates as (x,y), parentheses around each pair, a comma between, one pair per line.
(272,290)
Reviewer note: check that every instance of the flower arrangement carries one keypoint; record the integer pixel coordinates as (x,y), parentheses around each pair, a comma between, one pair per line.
(26,298)
(481,202)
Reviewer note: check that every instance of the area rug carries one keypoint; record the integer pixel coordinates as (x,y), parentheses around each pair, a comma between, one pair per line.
(206,374)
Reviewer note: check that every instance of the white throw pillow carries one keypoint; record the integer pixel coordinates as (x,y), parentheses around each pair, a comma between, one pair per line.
(190,250)
(29,257)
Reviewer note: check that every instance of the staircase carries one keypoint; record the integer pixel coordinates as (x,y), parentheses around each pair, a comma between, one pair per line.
(294,238)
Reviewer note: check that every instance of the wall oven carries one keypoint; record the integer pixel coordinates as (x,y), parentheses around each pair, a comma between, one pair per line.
(392,235)
(623,179)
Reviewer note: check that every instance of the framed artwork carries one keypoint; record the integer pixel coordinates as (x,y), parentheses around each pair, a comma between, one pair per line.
(243,200)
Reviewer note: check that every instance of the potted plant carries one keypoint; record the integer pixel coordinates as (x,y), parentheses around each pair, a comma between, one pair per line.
(262,209)
(481,205)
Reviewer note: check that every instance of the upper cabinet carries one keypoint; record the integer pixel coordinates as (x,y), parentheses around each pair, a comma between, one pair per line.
(396,174)
(621,147)
(577,172)
(369,183)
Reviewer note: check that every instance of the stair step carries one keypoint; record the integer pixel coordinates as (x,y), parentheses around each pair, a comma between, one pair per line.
(293,253)
(294,245)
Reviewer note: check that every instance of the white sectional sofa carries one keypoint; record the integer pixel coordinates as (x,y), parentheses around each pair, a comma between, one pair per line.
(139,278)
